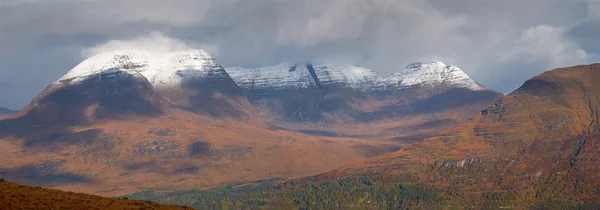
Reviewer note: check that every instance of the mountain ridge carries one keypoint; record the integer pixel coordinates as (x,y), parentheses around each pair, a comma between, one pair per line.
(349,76)
(110,125)
(190,80)
(547,130)
(536,148)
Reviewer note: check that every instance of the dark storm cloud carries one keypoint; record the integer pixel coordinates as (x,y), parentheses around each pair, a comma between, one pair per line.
(500,43)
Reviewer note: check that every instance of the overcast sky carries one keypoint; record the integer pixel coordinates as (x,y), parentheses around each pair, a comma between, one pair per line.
(499,43)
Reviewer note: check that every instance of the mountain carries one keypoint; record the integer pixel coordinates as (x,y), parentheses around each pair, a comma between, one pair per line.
(134,82)
(5,111)
(433,73)
(15,196)
(295,76)
(336,99)
(536,148)
(121,121)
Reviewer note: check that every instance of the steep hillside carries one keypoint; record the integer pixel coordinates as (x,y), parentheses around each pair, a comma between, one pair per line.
(536,148)
(15,196)
(416,102)
(124,121)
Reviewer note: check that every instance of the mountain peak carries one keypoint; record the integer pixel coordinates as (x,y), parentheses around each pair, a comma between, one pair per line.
(433,73)
(157,68)
(184,79)
(304,75)
(130,61)
(298,75)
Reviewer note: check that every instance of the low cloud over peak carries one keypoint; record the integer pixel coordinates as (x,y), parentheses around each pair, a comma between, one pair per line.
(154,42)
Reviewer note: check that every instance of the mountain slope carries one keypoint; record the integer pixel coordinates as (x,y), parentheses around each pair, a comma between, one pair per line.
(538,144)
(536,148)
(122,121)
(345,100)
(191,80)
(15,196)
(432,74)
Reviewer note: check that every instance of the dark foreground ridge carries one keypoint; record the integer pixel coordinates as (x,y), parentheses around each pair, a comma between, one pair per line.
(15,196)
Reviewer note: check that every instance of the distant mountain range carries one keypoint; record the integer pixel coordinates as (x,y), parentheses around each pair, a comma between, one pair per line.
(324,97)
(328,76)
(121,121)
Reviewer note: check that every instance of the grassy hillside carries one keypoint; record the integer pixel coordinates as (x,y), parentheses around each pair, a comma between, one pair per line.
(537,148)
(15,196)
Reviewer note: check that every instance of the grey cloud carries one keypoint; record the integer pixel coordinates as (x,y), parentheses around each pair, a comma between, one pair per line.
(43,39)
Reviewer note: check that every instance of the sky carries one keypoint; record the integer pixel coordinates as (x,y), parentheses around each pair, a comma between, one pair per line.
(499,43)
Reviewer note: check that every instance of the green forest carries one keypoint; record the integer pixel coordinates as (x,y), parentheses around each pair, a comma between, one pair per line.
(356,193)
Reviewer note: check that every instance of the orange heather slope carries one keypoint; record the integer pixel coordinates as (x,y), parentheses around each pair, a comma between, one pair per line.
(540,142)
(123,122)
(15,196)
(178,150)
(110,127)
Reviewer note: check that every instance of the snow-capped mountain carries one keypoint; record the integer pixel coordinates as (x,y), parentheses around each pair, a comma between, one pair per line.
(138,82)
(293,76)
(161,70)
(282,76)
(312,92)
(286,76)
(432,73)
(343,75)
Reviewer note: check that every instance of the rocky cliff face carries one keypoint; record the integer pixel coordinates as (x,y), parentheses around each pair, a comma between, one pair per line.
(430,74)
(316,92)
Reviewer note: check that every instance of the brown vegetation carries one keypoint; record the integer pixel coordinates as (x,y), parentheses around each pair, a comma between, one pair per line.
(14,197)
(537,144)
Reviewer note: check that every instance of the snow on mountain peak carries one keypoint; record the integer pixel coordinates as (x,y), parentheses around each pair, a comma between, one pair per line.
(281,76)
(432,73)
(164,70)
(289,75)
(159,69)
(303,75)
(343,75)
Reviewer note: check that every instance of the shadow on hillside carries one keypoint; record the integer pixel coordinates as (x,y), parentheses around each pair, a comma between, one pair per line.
(215,95)
(162,168)
(369,151)
(436,123)
(307,104)
(113,95)
(38,175)
(449,99)
(45,138)
(412,138)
